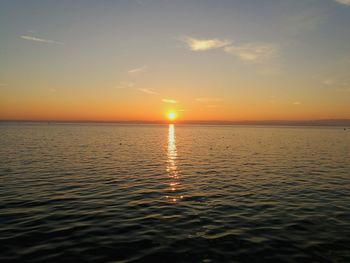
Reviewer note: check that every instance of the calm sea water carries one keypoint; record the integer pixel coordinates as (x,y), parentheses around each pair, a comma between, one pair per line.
(163,193)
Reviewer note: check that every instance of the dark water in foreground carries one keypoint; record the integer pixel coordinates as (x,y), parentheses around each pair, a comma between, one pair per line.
(174,193)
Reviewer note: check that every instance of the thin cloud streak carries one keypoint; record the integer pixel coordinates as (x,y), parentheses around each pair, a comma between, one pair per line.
(138,70)
(253,52)
(148,91)
(204,44)
(125,84)
(42,40)
(343,2)
(171,101)
(248,52)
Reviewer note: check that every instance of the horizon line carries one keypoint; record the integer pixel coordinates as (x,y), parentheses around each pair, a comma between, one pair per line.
(311,122)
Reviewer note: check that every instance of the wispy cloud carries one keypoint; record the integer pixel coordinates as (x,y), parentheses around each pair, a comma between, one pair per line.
(138,70)
(253,52)
(42,40)
(343,2)
(170,101)
(3,84)
(296,103)
(148,91)
(249,52)
(208,99)
(125,84)
(204,44)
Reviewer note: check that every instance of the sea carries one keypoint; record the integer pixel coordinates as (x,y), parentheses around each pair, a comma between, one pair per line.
(75,192)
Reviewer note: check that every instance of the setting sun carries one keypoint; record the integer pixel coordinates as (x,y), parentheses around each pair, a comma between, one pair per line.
(171,115)
(204,130)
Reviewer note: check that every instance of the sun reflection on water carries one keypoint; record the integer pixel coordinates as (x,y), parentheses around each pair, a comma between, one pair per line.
(171,165)
(172,153)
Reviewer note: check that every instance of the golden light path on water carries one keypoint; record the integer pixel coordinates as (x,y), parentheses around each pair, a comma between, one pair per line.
(171,164)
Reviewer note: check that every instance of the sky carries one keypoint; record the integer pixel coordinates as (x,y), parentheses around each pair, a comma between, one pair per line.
(126,60)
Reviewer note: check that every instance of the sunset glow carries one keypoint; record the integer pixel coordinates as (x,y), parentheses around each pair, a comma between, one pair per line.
(171,116)
(289,64)
(175,130)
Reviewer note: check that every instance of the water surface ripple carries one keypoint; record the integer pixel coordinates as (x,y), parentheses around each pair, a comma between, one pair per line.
(143,193)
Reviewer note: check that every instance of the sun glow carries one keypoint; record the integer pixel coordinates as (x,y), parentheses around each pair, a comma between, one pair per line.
(171,115)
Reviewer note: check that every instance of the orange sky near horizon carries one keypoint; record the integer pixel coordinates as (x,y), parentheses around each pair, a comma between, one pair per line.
(222,61)
(154,111)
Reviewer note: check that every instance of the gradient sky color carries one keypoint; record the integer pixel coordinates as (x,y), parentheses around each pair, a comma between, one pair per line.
(206,60)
